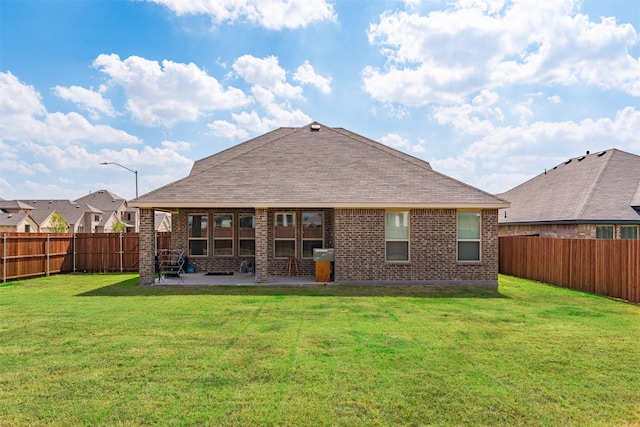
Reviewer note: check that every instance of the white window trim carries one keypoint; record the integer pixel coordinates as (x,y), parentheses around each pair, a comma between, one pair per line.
(408,239)
(479,240)
(205,238)
(311,239)
(232,238)
(295,234)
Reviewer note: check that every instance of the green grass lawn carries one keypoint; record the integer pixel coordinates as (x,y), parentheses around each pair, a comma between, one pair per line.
(100,350)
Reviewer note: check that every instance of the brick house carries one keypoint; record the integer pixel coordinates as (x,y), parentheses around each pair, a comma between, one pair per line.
(596,195)
(389,217)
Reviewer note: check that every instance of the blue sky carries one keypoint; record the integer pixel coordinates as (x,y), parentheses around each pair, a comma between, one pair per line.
(490,92)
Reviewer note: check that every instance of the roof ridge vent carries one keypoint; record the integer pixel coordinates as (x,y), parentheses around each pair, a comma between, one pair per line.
(602,154)
(315,127)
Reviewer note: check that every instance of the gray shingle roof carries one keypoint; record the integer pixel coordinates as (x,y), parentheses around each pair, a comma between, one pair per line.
(325,168)
(14,205)
(12,219)
(103,200)
(72,212)
(601,186)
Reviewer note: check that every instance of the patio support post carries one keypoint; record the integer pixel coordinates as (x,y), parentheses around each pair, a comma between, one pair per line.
(261,246)
(146,247)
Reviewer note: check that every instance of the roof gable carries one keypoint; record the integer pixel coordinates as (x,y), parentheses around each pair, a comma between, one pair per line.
(72,212)
(15,219)
(314,167)
(593,187)
(103,200)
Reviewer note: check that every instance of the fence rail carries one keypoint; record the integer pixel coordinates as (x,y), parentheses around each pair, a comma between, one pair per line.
(26,255)
(600,266)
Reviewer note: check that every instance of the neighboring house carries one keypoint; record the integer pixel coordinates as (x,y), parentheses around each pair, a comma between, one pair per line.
(81,217)
(50,220)
(162,222)
(388,216)
(114,208)
(596,195)
(17,222)
(14,206)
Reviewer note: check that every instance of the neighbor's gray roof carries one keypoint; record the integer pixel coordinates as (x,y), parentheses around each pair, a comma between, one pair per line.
(602,186)
(72,212)
(12,219)
(103,200)
(298,167)
(13,204)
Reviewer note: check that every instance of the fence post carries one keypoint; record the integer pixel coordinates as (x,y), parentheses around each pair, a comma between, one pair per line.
(47,252)
(121,255)
(4,258)
(74,251)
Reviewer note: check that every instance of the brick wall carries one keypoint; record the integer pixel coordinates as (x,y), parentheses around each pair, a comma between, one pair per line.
(276,266)
(358,236)
(262,245)
(569,231)
(147,247)
(360,247)
(565,231)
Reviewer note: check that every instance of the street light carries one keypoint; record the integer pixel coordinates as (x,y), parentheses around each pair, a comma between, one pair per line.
(135,172)
(124,167)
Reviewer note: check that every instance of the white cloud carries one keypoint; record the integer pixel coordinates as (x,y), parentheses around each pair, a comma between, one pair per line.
(226,129)
(265,74)
(272,93)
(474,118)
(277,116)
(396,141)
(24,117)
(506,156)
(173,92)
(88,100)
(272,14)
(65,164)
(305,74)
(284,115)
(18,99)
(446,55)
(554,99)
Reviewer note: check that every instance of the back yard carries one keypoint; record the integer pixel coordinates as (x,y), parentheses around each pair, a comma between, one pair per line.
(100,350)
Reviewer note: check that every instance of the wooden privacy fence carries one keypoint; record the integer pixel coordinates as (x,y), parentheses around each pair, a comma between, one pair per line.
(600,266)
(27,255)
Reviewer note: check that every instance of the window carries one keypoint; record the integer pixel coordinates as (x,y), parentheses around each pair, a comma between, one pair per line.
(198,242)
(247,237)
(27,228)
(285,235)
(397,236)
(628,231)
(223,235)
(604,232)
(468,236)
(96,218)
(312,233)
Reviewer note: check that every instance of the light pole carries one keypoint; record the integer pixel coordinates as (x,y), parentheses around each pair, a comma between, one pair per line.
(124,167)
(135,172)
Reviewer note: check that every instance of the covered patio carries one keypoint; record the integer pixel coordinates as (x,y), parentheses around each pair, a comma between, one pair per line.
(236,279)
